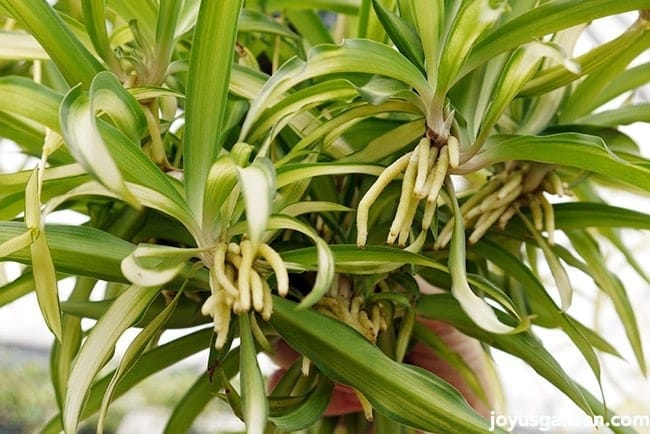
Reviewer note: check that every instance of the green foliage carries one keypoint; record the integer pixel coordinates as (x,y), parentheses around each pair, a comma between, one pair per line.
(229,154)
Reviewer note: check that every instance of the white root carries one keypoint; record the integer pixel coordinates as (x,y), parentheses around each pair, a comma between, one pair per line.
(257,291)
(453,148)
(549,218)
(429,211)
(268,301)
(536,211)
(385,178)
(482,227)
(512,184)
(405,230)
(439,174)
(423,164)
(219,269)
(506,216)
(433,158)
(405,198)
(277,264)
(248,255)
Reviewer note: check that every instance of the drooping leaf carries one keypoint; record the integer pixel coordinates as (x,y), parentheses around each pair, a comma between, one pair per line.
(587,247)
(352,56)
(522,345)
(81,132)
(579,215)
(151,362)
(568,149)
(133,352)
(45,281)
(199,394)
(305,411)
(154,265)
(549,17)
(20,46)
(477,309)
(74,61)
(98,348)
(346,356)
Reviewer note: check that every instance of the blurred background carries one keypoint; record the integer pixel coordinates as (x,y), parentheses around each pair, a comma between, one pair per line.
(27,399)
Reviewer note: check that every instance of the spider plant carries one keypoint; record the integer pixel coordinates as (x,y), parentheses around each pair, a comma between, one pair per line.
(236,161)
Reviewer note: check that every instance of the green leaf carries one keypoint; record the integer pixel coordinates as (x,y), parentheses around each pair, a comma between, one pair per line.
(310,407)
(20,46)
(74,61)
(45,281)
(587,247)
(79,250)
(144,12)
(350,7)
(525,346)
(63,352)
(330,129)
(567,149)
(475,307)
(154,265)
(453,358)
(165,35)
(307,207)
(136,348)
(146,196)
(401,33)
(24,97)
(585,97)
(519,68)
(207,91)
(255,406)
(551,16)
(580,215)
(351,56)
(310,26)
(597,59)
(22,285)
(151,362)
(388,143)
(472,20)
(17,243)
(374,260)
(620,116)
(560,275)
(220,185)
(200,393)
(547,313)
(428,18)
(273,120)
(81,131)
(292,173)
(253,21)
(94,13)
(627,80)
(406,394)
(97,349)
